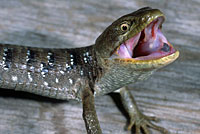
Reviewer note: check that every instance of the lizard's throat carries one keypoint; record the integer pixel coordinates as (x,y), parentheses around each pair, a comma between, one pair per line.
(149,44)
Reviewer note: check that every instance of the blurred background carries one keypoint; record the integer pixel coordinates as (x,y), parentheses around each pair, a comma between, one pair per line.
(172,94)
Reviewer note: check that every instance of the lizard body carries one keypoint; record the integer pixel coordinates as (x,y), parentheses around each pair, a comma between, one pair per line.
(129,50)
(54,73)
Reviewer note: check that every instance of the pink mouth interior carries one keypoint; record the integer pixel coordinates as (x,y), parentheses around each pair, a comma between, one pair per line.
(149,44)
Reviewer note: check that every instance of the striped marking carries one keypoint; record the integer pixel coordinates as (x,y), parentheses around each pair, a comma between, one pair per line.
(51,59)
(30,56)
(71,62)
(7,58)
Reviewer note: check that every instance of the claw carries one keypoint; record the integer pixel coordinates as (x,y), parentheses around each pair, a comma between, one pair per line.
(130,125)
(161,129)
(152,118)
(138,130)
(145,129)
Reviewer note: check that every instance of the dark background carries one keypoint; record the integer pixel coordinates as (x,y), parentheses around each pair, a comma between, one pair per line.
(172,94)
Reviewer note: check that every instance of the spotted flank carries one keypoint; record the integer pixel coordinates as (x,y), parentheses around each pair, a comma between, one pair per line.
(48,72)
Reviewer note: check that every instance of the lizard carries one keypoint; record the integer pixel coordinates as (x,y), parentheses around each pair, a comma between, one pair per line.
(127,51)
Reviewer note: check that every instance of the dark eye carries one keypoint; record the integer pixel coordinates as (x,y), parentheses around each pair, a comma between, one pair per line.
(124,27)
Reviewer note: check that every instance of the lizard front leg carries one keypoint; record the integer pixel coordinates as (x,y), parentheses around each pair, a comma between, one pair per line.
(137,119)
(89,112)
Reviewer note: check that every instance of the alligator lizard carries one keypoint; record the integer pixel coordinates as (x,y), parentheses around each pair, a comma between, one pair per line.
(129,50)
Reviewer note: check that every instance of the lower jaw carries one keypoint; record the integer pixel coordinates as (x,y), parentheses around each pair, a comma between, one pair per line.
(149,64)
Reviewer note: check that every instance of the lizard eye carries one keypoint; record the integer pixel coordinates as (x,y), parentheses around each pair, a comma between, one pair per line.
(124,27)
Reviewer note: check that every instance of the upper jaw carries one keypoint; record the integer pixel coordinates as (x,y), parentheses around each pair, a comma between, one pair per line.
(148,44)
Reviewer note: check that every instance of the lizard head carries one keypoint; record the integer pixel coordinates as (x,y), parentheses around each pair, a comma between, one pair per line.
(136,40)
(131,48)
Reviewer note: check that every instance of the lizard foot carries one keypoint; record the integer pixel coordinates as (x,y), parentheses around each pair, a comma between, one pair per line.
(142,122)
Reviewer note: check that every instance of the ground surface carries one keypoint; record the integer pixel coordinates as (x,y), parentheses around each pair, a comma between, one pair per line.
(172,94)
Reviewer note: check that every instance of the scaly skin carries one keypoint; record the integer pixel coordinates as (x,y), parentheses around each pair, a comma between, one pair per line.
(83,73)
(54,73)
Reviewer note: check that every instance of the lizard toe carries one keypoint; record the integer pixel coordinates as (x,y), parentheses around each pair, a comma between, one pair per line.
(141,123)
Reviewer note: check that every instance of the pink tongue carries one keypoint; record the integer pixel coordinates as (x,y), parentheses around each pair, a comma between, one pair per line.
(126,49)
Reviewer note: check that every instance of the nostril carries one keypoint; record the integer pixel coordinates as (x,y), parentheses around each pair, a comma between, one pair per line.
(165,48)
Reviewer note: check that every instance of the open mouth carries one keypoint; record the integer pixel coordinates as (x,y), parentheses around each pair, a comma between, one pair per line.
(149,44)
